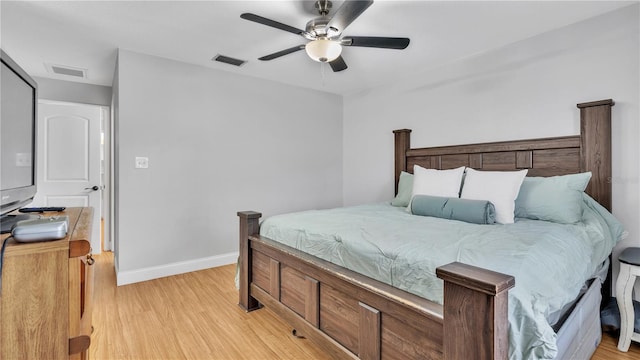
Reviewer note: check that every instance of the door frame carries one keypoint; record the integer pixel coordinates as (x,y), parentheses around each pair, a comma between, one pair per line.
(105,169)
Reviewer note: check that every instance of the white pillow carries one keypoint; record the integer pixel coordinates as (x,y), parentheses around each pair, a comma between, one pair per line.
(499,187)
(444,183)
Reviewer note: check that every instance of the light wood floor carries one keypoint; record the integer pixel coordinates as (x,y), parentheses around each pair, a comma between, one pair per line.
(196,316)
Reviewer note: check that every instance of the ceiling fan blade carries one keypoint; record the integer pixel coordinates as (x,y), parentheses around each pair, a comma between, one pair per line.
(376,42)
(264,21)
(338,64)
(281,53)
(348,12)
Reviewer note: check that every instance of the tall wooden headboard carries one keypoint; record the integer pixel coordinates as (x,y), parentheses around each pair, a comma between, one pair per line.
(589,151)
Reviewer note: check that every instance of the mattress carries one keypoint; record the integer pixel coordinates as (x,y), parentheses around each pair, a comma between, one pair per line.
(549,261)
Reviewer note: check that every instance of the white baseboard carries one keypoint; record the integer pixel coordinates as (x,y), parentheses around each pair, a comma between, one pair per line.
(155,272)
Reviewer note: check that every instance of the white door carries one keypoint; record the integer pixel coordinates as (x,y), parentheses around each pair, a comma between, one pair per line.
(68,156)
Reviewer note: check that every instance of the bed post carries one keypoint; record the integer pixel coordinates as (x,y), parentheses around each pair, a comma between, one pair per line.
(595,156)
(475,312)
(595,148)
(402,144)
(249,225)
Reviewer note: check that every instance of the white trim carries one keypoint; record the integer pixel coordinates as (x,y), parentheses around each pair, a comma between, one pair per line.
(115,266)
(105,180)
(155,272)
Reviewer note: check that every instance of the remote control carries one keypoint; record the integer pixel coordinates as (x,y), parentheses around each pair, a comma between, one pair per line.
(41,209)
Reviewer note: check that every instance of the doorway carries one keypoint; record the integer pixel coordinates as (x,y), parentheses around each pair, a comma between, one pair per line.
(72,167)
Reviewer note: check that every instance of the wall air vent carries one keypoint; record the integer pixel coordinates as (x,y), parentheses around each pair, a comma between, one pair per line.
(228,60)
(66,70)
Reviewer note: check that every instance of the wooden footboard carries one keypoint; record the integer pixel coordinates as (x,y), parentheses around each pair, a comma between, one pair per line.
(353,316)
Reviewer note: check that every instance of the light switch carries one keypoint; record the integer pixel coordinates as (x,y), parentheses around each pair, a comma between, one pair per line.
(142,162)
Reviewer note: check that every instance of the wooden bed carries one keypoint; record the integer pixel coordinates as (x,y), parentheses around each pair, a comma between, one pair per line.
(353,316)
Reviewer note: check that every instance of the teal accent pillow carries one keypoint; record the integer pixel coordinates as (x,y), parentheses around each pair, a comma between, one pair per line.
(405,187)
(556,198)
(471,211)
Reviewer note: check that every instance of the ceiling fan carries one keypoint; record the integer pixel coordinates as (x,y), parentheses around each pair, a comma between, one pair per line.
(325,34)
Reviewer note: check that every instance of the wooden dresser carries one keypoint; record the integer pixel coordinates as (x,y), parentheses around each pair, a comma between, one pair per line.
(47,290)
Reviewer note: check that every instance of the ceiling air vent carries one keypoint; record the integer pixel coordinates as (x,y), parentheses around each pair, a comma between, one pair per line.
(66,70)
(229,60)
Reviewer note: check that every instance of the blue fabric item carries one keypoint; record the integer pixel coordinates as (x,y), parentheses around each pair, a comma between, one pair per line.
(555,198)
(610,316)
(471,211)
(405,188)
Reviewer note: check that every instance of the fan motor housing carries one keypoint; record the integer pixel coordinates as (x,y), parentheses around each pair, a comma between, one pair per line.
(317,28)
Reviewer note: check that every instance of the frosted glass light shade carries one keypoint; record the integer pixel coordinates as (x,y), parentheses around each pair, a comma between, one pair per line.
(323,50)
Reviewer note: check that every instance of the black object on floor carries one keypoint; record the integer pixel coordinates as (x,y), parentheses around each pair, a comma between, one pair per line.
(610,316)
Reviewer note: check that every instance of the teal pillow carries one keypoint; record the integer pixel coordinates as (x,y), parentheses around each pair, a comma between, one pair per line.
(556,198)
(405,188)
(471,211)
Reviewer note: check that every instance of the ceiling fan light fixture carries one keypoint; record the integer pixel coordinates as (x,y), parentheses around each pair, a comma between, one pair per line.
(323,50)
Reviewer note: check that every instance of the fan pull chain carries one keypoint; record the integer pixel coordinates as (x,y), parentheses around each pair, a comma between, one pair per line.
(322,73)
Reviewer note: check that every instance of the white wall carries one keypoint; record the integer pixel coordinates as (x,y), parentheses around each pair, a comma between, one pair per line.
(525,90)
(217,143)
(69,91)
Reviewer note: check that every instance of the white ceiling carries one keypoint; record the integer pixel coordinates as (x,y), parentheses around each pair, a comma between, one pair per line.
(86,34)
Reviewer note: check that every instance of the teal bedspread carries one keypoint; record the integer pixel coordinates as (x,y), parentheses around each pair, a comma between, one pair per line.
(549,261)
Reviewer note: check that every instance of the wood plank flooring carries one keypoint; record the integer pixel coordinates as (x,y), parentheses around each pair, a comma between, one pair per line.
(188,316)
(196,316)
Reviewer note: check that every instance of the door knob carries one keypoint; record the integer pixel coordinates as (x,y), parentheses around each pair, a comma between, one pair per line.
(94,188)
